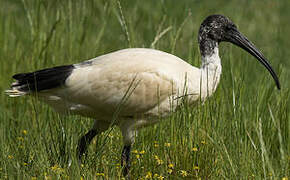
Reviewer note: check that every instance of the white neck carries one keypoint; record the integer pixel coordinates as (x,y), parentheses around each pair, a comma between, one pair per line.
(211,70)
(211,61)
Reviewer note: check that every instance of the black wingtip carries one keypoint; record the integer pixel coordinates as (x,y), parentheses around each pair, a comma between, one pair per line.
(42,79)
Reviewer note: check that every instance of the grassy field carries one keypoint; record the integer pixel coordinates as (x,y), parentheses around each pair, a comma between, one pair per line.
(242,132)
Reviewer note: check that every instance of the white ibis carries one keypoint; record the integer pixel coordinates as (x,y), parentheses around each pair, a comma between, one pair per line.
(140,84)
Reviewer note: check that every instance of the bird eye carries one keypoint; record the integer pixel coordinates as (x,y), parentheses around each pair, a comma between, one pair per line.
(228,27)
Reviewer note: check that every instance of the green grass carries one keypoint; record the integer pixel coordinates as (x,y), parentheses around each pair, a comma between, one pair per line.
(241,132)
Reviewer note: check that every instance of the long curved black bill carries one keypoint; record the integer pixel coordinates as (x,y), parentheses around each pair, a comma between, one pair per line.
(240,40)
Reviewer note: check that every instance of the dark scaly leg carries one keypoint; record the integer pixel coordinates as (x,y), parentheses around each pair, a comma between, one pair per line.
(98,127)
(129,133)
(84,142)
(125,159)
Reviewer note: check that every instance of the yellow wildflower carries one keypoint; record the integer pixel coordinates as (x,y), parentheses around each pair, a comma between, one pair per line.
(183,173)
(159,161)
(55,167)
(100,174)
(137,156)
(24,132)
(169,171)
(142,152)
(10,157)
(156,144)
(194,149)
(285,178)
(25,164)
(155,175)
(170,165)
(167,144)
(160,177)
(196,168)
(203,142)
(148,175)
(135,151)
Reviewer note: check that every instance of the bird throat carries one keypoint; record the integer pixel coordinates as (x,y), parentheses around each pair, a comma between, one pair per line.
(207,46)
(210,57)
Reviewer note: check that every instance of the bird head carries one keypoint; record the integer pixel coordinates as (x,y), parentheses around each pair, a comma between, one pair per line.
(218,28)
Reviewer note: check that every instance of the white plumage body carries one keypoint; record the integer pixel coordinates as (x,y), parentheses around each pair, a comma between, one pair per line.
(130,88)
(154,81)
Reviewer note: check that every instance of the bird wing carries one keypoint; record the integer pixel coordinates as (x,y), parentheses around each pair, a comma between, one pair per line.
(133,80)
(131,87)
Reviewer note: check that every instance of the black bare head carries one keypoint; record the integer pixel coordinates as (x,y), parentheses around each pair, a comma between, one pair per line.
(218,28)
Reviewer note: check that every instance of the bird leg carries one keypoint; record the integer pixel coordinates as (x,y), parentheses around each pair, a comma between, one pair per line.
(84,142)
(125,159)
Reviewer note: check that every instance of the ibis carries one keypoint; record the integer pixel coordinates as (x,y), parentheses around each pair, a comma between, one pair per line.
(132,88)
